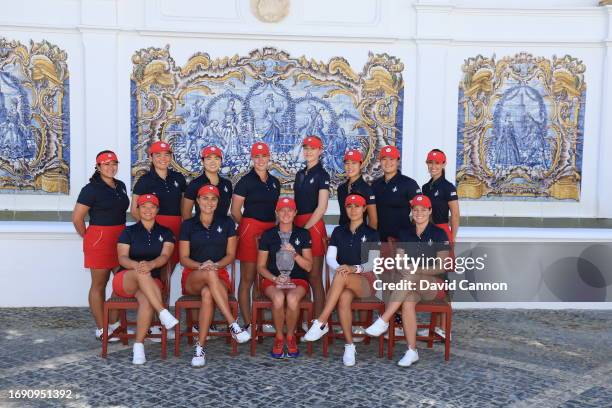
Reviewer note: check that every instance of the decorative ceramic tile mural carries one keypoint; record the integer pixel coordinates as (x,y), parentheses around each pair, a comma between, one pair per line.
(34,118)
(520,128)
(268,95)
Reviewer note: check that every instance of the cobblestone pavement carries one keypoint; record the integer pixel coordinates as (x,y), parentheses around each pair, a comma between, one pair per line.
(499,358)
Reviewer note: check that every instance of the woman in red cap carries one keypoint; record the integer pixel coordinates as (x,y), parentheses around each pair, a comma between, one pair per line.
(311,190)
(212,158)
(355,184)
(353,277)
(143,248)
(105,199)
(393,194)
(207,247)
(253,205)
(425,241)
(444,200)
(285,291)
(168,185)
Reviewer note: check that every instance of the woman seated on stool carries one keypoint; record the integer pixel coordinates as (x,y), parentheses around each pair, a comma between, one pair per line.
(353,277)
(143,248)
(289,245)
(207,246)
(424,240)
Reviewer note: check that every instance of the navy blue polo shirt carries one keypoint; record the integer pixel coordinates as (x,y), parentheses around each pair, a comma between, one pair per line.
(168,191)
(350,243)
(440,192)
(107,205)
(358,187)
(393,203)
(270,241)
(225,193)
(306,188)
(146,245)
(259,197)
(208,244)
(432,240)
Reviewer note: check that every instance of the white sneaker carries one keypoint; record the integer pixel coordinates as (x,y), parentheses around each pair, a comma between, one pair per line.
(316,331)
(199,356)
(166,318)
(157,330)
(377,328)
(239,334)
(442,333)
(422,332)
(399,334)
(268,328)
(349,355)
(358,330)
(110,340)
(138,354)
(409,358)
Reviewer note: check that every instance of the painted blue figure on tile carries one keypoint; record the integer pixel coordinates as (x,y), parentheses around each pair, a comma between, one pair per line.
(229,129)
(15,136)
(273,135)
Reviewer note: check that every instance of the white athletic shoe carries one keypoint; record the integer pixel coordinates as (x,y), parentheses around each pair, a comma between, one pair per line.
(442,333)
(239,334)
(349,355)
(138,354)
(268,328)
(111,339)
(423,332)
(166,318)
(199,356)
(377,328)
(409,358)
(316,331)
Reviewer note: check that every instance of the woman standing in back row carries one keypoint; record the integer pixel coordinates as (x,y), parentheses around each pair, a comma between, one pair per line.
(311,191)
(253,207)
(105,199)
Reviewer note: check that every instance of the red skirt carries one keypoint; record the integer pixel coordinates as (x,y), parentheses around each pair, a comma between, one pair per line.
(100,246)
(118,285)
(222,273)
(248,230)
(172,222)
(266,283)
(318,233)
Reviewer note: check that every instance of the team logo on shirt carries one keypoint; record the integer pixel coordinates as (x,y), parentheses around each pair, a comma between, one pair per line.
(176,184)
(219,229)
(124,192)
(372,197)
(394,189)
(436,193)
(311,180)
(297,241)
(161,239)
(363,239)
(225,189)
(453,193)
(274,185)
(430,242)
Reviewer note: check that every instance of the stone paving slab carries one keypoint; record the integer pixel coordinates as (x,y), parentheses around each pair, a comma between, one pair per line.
(498,358)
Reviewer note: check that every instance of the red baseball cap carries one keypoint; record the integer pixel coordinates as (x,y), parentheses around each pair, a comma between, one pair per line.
(159,147)
(436,156)
(208,189)
(211,150)
(285,202)
(106,157)
(260,148)
(312,141)
(353,155)
(420,200)
(147,198)
(389,151)
(355,199)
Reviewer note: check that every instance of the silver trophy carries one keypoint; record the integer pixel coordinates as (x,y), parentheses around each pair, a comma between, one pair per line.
(285,262)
